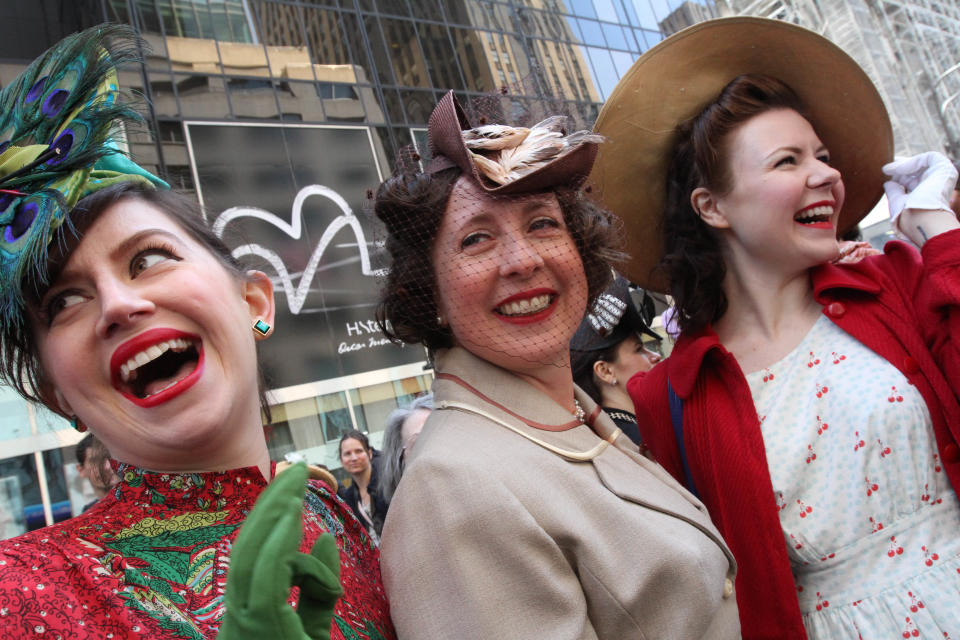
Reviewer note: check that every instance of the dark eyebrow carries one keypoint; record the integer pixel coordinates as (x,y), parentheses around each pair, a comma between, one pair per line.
(797,150)
(793,150)
(125,247)
(130,243)
(534,205)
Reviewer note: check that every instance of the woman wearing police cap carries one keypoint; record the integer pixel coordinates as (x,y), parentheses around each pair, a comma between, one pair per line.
(609,348)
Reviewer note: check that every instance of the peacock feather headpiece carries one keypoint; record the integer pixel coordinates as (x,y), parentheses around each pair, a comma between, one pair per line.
(56,120)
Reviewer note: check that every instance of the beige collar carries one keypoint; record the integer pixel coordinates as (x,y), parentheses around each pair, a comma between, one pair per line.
(467,383)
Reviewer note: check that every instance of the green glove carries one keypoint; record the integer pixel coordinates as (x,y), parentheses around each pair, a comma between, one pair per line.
(265,563)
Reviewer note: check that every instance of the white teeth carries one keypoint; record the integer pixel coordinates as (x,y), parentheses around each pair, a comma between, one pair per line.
(128,370)
(525,307)
(824,210)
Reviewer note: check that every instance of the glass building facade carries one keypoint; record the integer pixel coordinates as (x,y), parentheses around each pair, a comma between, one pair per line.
(279,115)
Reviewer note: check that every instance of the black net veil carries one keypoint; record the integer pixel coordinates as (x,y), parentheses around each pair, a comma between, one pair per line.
(493,243)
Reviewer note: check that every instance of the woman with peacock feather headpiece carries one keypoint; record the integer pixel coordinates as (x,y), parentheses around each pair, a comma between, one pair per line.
(123,313)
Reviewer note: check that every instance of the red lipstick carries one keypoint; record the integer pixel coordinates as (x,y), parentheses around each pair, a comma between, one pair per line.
(141,342)
(533,317)
(820,224)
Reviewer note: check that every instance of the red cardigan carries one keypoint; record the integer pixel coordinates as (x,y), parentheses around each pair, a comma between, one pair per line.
(903,308)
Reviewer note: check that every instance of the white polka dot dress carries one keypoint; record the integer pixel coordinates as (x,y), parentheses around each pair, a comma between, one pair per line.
(871,522)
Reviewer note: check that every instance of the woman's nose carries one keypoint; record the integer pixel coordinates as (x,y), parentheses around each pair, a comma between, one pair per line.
(519,256)
(120,306)
(822,175)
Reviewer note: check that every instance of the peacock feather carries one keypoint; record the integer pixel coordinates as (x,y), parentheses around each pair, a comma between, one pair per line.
(56,120)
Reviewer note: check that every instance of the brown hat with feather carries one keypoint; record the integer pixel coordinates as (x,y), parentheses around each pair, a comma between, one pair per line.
(507,160)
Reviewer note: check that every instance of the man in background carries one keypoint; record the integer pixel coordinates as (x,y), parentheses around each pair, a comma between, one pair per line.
(93,463)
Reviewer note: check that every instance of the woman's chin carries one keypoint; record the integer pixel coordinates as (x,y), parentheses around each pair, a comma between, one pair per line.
(525,357)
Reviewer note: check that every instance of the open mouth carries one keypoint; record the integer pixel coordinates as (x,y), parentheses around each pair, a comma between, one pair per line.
(159,367)
(156,366)
(526,307)
(816,215)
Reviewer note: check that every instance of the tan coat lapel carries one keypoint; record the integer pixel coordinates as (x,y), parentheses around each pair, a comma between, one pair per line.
(467,383)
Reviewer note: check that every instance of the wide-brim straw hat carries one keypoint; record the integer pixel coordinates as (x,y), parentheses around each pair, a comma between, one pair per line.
(675,80)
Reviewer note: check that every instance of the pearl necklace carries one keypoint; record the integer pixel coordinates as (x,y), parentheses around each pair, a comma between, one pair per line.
(579,413)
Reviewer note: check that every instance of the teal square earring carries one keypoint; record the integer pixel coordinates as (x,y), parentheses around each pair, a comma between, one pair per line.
(261,327)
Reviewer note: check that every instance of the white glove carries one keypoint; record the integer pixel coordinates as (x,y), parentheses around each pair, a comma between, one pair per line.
(924,181)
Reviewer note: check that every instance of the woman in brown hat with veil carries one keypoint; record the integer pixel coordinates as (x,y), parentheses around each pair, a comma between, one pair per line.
(524,512)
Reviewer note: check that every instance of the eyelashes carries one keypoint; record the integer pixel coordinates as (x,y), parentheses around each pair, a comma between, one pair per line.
(539,223)
(146,256)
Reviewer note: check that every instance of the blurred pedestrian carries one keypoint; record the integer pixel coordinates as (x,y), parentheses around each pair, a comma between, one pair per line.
(93,464)
(403,427)
(363,495)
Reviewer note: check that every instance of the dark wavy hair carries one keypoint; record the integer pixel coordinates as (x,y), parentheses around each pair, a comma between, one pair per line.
(411,206)
(582,364)
(21,366)
(692,258)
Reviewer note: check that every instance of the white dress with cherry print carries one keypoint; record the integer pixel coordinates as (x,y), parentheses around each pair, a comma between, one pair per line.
(870,519)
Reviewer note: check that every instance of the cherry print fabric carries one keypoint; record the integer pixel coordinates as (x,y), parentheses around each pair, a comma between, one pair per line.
(904,307)
(150,560)
(868,515)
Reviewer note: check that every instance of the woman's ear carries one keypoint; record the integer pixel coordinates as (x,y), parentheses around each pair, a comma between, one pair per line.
(705,204)
(604,372)
(257,292)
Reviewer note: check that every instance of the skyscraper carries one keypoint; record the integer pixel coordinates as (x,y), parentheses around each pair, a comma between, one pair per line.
(909,48)
(279,115)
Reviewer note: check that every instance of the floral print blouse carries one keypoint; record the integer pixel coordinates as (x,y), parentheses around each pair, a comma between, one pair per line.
(151,560)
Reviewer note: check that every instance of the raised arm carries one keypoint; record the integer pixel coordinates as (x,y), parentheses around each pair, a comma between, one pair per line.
(918,193)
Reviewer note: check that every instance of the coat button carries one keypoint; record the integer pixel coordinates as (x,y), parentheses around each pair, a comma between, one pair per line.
(727,588)
(910,365)
(951,453)
(836,309)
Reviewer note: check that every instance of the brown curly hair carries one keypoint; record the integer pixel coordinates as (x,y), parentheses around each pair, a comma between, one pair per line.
(411,205)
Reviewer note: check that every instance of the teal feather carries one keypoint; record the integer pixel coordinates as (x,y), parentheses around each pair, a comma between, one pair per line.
(68,75)
(66,101)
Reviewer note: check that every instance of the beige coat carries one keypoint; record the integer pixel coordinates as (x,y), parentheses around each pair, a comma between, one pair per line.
(514,521)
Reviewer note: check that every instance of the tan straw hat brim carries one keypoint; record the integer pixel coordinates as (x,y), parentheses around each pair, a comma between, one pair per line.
(675,80)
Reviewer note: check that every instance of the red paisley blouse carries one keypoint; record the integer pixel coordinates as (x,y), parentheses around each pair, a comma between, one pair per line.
(150,560)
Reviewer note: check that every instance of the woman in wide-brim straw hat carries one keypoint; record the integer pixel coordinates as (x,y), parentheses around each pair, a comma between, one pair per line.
(524,512)
(811,406)
(123,312)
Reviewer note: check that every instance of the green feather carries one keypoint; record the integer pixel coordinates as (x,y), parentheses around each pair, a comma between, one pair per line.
(56,119)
